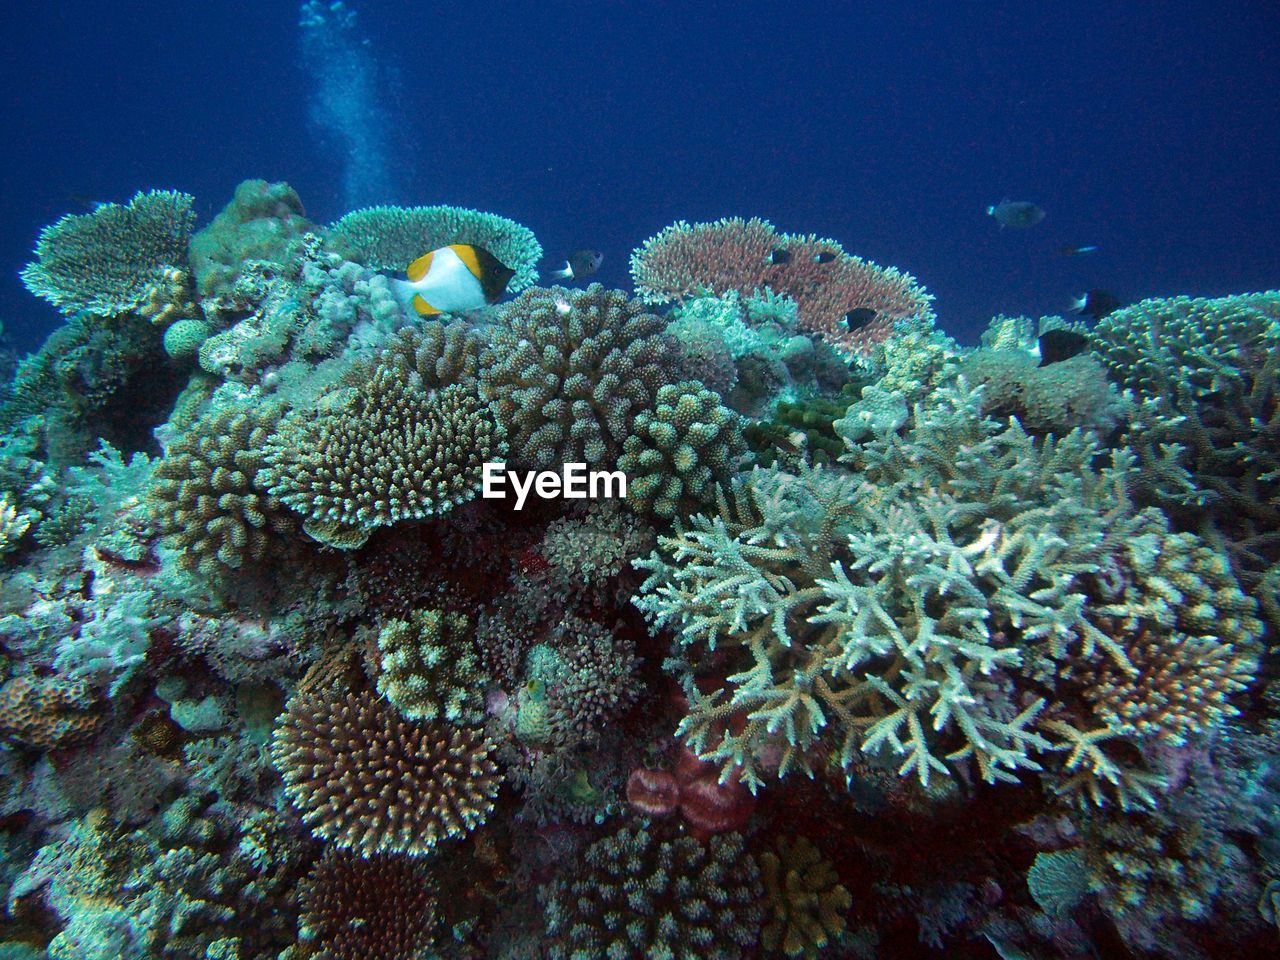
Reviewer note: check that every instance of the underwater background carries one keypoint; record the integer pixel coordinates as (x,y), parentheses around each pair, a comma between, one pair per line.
(939,347)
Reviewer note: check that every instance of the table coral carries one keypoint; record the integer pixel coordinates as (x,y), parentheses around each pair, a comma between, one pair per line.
(687,260)
(105,262)
(390,238)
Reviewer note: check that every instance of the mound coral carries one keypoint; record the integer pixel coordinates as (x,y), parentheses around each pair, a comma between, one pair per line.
(105,262)
(371,781)
(680,451)
(354,908)
(938,612)
(205,499)
(687,260)
(640,897)
(569,369)
(390,238)
(385,449)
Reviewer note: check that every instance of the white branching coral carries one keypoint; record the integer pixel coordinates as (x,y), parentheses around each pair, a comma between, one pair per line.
(949,606)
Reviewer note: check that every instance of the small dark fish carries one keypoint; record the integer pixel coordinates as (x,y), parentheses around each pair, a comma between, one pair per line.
(1061,344)
(583,263)
(859,317)
(824,256)
(780,255)
(1078,250)
(1097,303)
(1016,213)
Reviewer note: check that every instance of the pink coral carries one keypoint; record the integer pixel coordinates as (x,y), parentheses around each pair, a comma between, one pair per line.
(687,260)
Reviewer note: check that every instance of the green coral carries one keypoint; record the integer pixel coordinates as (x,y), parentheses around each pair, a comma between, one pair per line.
(803,426)
(568,370)
(1050,399)
(105,262)
(430,667)
(390,238)
(649,899)
(390,446)
(679,452)
(1207,373)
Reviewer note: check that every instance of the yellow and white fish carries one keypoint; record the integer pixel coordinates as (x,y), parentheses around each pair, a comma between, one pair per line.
(454,278)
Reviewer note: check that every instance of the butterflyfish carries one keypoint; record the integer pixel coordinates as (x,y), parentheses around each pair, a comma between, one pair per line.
(455,278)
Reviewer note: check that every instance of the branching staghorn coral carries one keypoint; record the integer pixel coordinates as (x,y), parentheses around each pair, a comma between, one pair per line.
(568,370)
(941,612)
(106,262)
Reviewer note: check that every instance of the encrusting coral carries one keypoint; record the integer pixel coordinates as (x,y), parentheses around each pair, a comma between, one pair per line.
(371,781)
(568,370)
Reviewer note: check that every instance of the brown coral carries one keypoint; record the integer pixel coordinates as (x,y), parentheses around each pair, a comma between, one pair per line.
(806,901)
(204,498)
(354,908)
(48,713)
(371,781)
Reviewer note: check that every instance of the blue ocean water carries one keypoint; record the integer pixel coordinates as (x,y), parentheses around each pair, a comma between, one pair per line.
(1148,129)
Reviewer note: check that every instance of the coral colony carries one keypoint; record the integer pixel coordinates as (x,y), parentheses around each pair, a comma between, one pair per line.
(743,616)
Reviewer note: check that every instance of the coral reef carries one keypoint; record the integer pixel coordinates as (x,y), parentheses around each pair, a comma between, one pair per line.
(933,612)
(568,370)
(687,260)
(1207,373)
(370,781)
(105,262)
